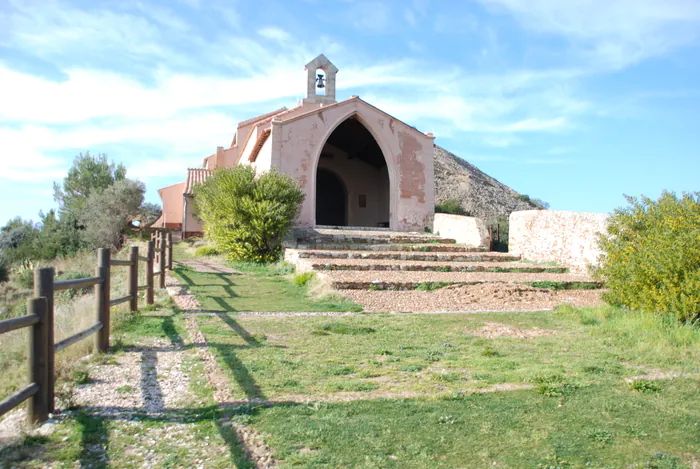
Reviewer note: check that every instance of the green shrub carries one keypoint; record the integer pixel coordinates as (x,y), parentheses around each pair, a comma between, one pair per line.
(247,216)
(451,206)
(304,278)
(651,256)
(206,251)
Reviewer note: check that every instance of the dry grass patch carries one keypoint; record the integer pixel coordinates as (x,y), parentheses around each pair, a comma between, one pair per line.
(497,330)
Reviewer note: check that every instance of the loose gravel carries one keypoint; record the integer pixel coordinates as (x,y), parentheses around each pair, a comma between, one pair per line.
(477,298)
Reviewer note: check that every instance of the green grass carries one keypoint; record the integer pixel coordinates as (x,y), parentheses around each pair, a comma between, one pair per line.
(257,287)
(579,412)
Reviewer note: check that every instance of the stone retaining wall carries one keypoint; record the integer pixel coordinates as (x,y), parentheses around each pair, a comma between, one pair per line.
(568,238)
(465,230)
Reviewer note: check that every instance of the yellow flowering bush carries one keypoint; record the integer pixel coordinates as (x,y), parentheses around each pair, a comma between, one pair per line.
(651,259)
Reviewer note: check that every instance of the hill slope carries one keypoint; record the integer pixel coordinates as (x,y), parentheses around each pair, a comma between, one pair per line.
(480,195)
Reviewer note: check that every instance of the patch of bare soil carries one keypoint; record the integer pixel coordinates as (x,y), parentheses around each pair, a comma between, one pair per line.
(491,296)
(495,330)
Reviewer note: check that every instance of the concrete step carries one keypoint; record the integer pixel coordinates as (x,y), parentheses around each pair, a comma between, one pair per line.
(422,266)
(335,236)
(422,247)
(293,255)
(430,286)
(403,280)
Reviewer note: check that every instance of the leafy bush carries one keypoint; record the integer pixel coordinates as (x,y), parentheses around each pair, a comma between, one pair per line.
(247,216)
(206,251)
(451,206)
(651,256)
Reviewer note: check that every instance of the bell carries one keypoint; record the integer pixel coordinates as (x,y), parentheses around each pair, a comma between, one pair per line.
(320,80)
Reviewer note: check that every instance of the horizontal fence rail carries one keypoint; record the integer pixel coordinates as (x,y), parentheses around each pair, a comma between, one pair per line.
(77,337)
(40,392)
(18,323)
(76,284)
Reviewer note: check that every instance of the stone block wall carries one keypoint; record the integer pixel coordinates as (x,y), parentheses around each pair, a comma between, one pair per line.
(464,230)
(568,238)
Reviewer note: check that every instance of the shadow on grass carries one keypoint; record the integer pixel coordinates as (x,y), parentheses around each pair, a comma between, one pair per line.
(93,422)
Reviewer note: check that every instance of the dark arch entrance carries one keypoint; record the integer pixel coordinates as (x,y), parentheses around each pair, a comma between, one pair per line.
(331,206)
(353,166)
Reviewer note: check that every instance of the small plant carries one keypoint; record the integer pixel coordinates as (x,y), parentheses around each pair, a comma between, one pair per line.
(411,368)
(125,389)
(433,356)
(80,375)
(452,207)
(340,370)
(206,251)
(602,436)
(644,386)
(490,352)
(23,274)
(303,279)
(431,286)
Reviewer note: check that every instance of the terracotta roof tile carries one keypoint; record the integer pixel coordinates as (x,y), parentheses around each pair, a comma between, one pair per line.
(196,176)
(259,144)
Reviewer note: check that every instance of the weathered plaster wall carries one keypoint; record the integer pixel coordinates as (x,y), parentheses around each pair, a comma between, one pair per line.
(568,238)
(172,204)
(465,230)
(297,143)
(192,224)
(361,178)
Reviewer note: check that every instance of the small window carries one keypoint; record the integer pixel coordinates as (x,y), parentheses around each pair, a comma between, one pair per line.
(363,201)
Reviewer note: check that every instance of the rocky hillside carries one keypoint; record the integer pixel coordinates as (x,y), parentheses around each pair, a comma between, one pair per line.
(480,194)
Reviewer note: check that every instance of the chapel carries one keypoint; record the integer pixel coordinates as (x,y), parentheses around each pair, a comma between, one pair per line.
(358,165)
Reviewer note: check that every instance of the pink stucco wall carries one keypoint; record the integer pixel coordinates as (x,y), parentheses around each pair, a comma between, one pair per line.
(296,146)
(172,204)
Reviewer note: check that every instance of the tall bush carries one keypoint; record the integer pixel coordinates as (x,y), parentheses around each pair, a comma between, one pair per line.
(245,216)
(651,257)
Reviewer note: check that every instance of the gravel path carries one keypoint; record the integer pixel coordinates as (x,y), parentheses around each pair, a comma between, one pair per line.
(467,277)
(477,298)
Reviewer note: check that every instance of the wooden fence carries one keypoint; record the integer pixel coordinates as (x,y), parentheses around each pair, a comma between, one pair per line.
(40,318)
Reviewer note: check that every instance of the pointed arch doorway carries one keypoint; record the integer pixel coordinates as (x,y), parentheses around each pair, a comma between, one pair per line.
(331,208)
(352,162)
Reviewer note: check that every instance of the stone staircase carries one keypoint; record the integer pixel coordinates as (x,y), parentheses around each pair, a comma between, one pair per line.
(382,260)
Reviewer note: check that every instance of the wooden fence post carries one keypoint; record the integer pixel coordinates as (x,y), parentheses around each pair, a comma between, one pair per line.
(43,287)
(38,405)
(170,250)
(161,259)
(133,278)
(149,274)
(102,299)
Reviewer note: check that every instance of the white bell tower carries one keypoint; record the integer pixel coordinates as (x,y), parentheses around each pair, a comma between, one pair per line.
(320,81)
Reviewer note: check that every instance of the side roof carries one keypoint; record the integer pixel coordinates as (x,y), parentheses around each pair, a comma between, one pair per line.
(196,176)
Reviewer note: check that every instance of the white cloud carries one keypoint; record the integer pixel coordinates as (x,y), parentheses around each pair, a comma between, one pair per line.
(276,34)
(611,34)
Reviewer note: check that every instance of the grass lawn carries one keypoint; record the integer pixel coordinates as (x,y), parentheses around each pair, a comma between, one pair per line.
(413,387)
(256,288)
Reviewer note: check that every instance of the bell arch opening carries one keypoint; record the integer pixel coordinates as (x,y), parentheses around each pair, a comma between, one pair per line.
(353,155)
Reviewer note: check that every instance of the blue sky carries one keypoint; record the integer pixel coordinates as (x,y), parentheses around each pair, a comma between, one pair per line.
(574,102)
